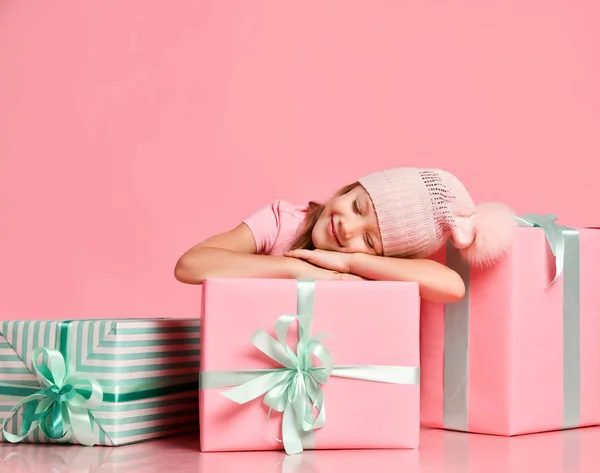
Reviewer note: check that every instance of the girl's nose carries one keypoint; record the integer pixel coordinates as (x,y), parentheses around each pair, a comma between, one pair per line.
(349,228)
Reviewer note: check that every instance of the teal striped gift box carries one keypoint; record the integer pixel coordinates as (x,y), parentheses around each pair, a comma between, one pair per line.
(124,380)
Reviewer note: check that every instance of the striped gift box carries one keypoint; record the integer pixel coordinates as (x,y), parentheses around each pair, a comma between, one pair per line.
(147,368)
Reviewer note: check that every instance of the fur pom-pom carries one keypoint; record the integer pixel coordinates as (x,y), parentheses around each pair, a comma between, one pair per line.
(494,227)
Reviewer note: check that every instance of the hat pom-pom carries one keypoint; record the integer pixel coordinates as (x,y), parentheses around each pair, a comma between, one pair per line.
(494,228)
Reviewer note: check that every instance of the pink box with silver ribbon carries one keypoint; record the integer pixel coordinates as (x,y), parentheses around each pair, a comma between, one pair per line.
(521,352)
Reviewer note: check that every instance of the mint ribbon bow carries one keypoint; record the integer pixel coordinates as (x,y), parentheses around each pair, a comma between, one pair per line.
(295,389)
(62,408)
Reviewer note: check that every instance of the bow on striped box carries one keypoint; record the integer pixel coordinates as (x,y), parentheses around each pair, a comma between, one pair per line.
(521,352)
(98,382)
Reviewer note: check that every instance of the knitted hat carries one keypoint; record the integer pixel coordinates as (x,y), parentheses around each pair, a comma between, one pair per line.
(419,209)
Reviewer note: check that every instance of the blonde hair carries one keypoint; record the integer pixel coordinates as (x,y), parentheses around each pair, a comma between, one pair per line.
(313,212)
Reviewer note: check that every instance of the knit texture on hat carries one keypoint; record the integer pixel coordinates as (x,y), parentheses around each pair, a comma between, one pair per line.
(419,209)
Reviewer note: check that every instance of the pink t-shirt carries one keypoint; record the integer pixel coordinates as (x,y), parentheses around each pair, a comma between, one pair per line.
(276,226)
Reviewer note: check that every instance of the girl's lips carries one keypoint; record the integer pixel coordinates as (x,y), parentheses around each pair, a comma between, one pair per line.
(333,233)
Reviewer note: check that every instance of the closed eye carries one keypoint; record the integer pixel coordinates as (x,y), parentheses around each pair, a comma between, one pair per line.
(356,207)
(369,242)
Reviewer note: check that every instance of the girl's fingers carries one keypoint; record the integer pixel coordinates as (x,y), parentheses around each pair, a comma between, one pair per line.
(350,277)
(303,254)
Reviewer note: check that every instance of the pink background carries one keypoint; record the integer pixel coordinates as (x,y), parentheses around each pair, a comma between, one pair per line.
(130,130)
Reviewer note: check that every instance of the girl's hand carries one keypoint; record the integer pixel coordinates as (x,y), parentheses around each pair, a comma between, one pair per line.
(303,270)
(332,260)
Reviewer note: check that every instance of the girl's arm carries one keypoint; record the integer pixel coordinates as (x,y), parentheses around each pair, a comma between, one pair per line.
(232,255)
(437,282)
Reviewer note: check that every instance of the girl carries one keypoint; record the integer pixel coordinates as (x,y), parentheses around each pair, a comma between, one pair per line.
(381,228)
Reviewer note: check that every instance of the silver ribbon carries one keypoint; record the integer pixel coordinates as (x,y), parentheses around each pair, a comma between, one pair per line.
(564,244)
(456,349)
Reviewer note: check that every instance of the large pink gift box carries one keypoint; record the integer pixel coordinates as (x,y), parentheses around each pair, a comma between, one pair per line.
(370,326)
(521,352)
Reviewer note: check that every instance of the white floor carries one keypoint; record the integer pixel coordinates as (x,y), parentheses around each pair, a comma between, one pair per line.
(440,452)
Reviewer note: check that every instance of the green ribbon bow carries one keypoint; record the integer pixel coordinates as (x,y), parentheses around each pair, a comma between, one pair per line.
(62,407)
(295,390)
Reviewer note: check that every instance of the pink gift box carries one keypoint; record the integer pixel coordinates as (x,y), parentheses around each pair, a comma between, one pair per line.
(368,323)
(518,355)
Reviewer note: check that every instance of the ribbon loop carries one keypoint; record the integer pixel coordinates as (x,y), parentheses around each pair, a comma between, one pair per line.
(555,234)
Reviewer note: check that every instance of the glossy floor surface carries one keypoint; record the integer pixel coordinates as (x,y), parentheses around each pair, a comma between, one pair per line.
(444,452)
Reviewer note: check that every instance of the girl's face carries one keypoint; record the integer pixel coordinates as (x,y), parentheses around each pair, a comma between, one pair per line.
(349,224)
